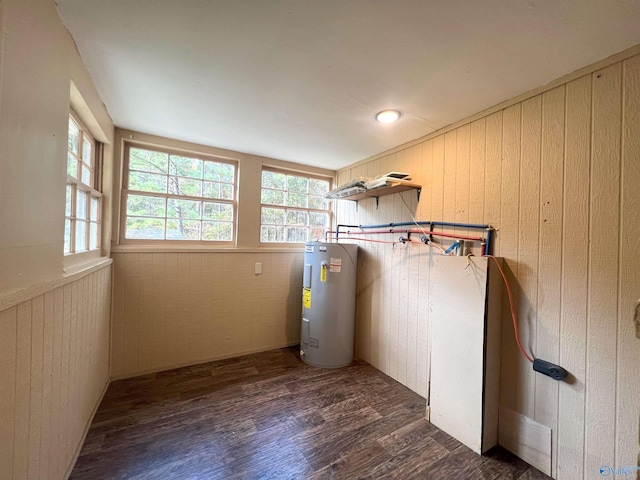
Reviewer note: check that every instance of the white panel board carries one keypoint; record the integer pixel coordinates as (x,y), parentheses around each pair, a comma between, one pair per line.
(460,330)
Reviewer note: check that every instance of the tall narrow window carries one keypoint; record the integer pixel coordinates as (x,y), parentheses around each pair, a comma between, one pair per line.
(176,196)
(294,209)
(84,200)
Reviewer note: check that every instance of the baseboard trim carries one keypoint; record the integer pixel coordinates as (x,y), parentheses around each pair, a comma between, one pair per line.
(525,438)
(162,368)
(80,444)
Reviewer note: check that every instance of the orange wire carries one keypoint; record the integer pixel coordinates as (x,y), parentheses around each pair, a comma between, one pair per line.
(513,313)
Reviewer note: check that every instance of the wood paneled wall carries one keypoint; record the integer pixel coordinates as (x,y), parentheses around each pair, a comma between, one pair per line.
(174,309)
(558,175)
(54,368)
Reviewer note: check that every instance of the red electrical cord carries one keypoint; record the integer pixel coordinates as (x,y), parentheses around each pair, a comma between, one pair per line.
(363,240)
(513,313)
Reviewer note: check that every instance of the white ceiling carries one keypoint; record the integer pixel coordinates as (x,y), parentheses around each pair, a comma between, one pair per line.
(301,80)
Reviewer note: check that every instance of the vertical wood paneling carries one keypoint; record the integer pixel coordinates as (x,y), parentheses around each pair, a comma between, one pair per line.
(437,193)
(557,175)
(56,464)
(509,224)
(575,246)
(65,402)
(628,375)
(522,376)
(35,408)
(8,360)
(23,393)
(603,270)
(41,429)
(450,166)
(145,305)
(493,172)
(550,257)
(463,150)
(117,333)
(477,171)
(184,308)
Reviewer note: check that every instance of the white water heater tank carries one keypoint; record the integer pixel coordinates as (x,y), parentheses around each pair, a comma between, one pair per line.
(328,304)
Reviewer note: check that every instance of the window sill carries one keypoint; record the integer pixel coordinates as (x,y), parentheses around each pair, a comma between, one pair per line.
(205,249)
(87,266)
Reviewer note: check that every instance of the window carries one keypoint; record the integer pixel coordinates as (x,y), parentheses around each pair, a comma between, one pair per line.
(84,200)
(174,196)
(294,209)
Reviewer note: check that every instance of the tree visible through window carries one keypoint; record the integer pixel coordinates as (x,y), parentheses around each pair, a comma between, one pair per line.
(171,196)
(293,207)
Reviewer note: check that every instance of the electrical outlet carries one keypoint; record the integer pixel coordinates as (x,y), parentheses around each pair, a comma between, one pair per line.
(258,268)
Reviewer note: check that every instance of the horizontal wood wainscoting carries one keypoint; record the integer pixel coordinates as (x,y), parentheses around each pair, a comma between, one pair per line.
(176,309)
(54,369)
(557,174)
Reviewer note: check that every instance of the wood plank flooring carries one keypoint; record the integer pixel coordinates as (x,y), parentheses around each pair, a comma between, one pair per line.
(271,416)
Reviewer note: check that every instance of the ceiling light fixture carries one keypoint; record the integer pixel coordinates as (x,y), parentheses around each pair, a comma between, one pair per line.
(388,116)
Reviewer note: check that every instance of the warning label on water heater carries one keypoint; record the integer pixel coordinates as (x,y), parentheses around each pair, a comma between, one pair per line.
(335,265)
(306,297)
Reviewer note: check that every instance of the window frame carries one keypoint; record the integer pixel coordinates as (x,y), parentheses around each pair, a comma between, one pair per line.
(298,173)
(92,190)
(125,191)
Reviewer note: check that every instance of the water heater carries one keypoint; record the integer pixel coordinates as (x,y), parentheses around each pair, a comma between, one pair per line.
(328,304)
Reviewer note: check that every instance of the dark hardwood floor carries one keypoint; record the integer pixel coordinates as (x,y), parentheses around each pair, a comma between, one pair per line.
(270,416)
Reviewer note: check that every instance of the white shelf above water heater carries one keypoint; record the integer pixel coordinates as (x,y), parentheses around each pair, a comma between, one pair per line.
(465,351)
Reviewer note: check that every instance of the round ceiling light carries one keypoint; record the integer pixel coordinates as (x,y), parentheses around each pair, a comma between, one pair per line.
(387,116)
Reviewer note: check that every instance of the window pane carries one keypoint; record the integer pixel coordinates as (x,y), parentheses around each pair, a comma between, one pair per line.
(222,231)
(319,203)
(81,236)
(74,137)
(95,208)
(296,218)
(86,151)
(147,182)
(212,190)
(296,200)
(217,211)
(191,229)
(67,236)
(185,167)
(72,166)
(271,234)
(145,228)
(185,186)
(183,208)
(67,208)
(222,172)
(274,180)
(319,219)
(297,234)
(318,187)
(183,229)
(297,184)
(81,204)
(145,206)
(273,216)
(227,191)
(272,197)
(86,174)
(148,161)
(93,236)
